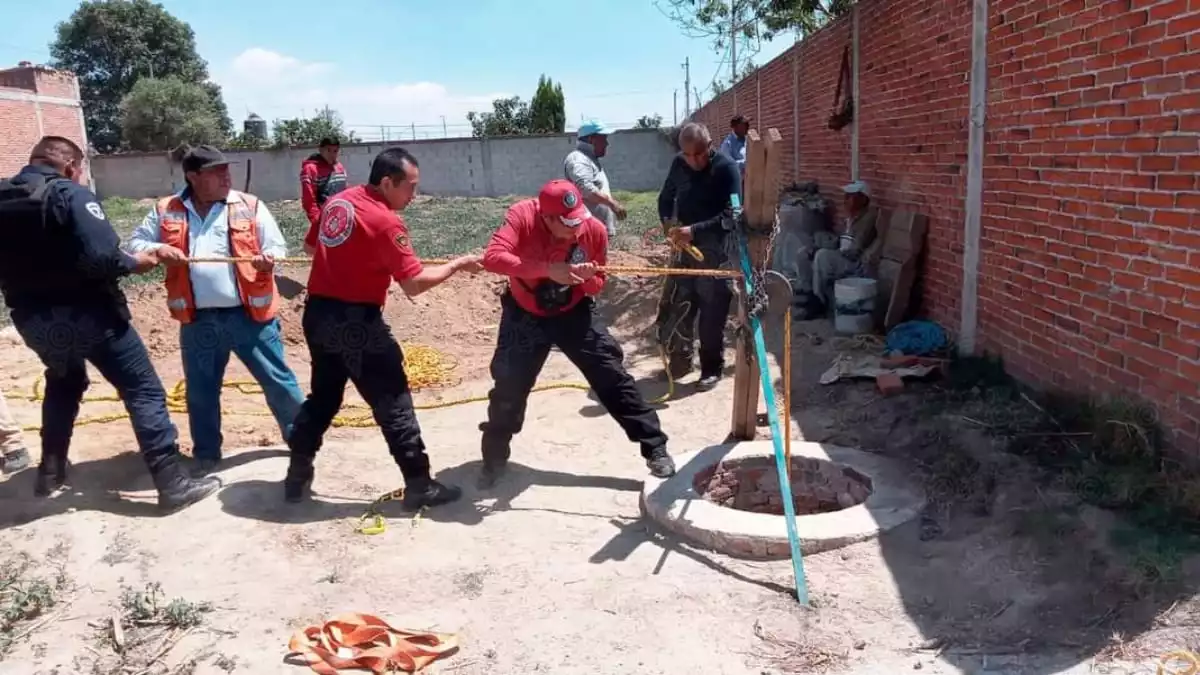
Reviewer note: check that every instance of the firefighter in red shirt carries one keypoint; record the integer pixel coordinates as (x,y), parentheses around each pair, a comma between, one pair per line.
(321,177)
(551,249)
(361,245)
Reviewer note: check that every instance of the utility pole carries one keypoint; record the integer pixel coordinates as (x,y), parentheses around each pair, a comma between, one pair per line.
(675,108)
(687,89)
(444,134)
(414,131)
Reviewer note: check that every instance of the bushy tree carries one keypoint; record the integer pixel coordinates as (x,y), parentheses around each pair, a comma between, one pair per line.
(111,44)
(738,27)
(162,113)
(649,122)
(326,123)
(548,109)
(509,117)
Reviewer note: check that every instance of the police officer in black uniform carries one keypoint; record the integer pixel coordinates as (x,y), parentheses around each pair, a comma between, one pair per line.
(59,269)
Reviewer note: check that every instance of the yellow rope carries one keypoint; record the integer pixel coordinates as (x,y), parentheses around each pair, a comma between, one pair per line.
(631,270)
(426,368)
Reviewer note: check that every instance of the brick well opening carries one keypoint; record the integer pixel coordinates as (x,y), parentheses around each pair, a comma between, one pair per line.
(751,484)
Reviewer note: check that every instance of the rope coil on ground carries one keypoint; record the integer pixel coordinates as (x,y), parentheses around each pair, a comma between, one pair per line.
(427,368)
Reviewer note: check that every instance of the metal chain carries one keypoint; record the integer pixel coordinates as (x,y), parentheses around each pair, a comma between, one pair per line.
(759,300)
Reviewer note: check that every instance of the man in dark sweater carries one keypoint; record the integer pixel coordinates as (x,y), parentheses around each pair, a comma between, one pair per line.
(694,205)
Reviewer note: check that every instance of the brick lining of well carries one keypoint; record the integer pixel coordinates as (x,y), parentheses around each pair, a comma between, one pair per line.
(752,484)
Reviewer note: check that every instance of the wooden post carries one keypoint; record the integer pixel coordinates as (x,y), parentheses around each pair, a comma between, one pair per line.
(761,193)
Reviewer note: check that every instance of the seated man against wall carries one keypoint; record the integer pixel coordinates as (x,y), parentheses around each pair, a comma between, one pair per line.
(858,249)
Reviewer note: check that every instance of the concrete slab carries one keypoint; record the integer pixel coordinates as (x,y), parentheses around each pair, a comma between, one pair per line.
(675,504)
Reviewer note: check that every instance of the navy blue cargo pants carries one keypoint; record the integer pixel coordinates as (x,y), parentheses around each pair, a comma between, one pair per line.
(522,347)
(68,338)
(350,342)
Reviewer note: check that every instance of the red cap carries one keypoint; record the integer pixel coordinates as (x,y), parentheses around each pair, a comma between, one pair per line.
(562,199)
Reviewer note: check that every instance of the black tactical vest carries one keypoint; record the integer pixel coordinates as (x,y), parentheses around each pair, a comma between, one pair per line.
(39,256)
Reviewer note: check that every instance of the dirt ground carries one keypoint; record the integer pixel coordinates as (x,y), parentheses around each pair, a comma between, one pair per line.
(554,571)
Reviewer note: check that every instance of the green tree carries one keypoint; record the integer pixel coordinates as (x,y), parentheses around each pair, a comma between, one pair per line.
(509,117)
(245,141)
(649,122)
(325,123)
(111,44)
(161,114)
(737,28)
(548,108)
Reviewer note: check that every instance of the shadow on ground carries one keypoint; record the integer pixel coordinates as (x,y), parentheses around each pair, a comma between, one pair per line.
(1003,565)
(263,500)
(97,485)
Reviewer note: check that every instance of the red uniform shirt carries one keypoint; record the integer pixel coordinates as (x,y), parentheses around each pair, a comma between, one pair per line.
(361,245)
(523,249)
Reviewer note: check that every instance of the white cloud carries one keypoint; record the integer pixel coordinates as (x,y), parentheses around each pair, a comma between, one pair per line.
(275,85)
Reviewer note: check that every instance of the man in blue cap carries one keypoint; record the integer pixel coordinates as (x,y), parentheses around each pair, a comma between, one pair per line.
(582,167)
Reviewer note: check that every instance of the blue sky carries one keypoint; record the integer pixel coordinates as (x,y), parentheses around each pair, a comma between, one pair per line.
(396,63)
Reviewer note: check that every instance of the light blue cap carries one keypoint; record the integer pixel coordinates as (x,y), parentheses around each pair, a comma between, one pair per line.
(592,128)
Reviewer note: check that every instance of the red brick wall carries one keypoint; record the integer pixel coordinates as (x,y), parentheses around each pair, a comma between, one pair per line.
(19,124)
(1089,277)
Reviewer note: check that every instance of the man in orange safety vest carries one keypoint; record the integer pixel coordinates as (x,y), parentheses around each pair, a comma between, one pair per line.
(222,308)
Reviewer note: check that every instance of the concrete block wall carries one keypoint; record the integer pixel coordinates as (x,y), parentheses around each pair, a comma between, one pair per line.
(1088,242)
(637,160)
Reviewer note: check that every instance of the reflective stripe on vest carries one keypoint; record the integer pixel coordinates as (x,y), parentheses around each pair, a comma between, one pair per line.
(256,289)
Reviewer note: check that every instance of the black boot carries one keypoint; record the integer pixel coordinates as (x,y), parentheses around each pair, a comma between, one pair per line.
(298,482)
(660,463)
(496,452)
(176,488)
(51,475)
(428,492)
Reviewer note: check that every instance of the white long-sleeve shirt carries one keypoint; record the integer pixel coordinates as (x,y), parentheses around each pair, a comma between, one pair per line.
(213,284)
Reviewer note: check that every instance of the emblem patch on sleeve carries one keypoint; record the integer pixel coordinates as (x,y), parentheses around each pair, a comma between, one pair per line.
(337,223)
(94,209)
(401,240)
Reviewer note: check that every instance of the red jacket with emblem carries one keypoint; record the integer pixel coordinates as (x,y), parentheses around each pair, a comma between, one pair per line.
(523,249)
(361,245)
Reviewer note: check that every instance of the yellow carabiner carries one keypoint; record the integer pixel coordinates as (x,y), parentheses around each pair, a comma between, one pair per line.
(379,525)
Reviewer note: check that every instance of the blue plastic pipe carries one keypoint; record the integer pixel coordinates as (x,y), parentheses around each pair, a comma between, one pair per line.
(785,486)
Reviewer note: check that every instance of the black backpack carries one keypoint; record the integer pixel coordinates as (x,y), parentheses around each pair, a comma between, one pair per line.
(26,225)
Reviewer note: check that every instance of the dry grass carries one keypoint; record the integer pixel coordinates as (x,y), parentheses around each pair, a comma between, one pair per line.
(143,631)
(803,655)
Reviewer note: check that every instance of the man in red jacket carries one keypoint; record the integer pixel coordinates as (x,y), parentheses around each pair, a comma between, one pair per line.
(321,177)
(552,251)
(361,246)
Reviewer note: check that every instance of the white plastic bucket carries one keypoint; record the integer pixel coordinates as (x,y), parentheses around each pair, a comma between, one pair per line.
(854,305)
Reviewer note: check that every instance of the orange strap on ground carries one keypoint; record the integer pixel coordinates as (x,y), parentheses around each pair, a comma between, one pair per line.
(366,642)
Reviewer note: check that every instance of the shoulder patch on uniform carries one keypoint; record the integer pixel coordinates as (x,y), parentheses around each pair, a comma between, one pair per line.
(579,255)
(337,223)
(401,240)
(94,209)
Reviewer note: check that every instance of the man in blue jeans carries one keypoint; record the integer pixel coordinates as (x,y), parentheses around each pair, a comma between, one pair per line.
(59,271)
(222,308)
